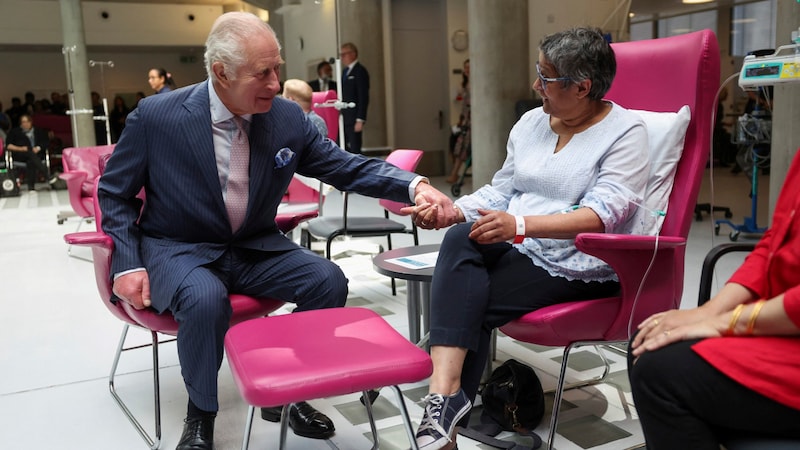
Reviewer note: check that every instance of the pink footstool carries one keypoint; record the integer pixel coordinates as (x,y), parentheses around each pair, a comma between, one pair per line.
(314,354)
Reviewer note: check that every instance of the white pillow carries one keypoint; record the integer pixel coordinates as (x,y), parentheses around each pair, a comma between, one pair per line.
(666,133)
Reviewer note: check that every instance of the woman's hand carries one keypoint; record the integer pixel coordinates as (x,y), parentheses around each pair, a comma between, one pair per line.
(664,328)
(493,227)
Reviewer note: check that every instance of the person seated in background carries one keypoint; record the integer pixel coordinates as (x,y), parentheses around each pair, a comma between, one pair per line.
(29,145)
(57,105)
(300,92)
(15,111)
(160,80)
(732,365)
(577,164)
(324,81)
(5,123)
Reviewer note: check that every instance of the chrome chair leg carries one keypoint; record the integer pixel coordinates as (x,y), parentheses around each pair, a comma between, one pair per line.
(561,386)
(153,443)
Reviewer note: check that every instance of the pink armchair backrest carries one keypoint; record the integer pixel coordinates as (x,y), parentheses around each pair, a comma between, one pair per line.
(329,115)
(642,82)
(81,169)
(406,160)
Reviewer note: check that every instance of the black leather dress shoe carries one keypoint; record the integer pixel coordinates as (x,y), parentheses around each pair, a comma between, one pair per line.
(304,420)
(198,434)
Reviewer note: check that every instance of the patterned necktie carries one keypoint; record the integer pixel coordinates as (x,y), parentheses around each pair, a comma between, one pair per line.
(238,176)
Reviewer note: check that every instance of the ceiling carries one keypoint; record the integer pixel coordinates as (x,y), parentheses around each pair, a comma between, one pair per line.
(638,7)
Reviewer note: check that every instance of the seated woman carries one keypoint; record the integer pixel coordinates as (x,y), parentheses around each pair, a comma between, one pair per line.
(731,365)
(577,164)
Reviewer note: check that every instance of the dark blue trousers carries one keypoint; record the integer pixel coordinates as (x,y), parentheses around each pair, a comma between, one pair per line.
(203,311)
(477,288)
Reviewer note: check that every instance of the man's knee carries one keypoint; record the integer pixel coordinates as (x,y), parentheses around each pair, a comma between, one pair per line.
(204,301)
(327,289)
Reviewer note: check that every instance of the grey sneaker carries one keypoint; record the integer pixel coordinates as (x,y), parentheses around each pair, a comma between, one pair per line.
(440,419)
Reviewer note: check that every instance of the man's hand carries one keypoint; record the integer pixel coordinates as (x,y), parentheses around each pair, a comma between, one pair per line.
(133,288)
(432,209)
(493,227)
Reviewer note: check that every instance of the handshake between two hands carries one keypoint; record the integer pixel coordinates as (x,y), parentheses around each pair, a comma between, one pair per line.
(432,209)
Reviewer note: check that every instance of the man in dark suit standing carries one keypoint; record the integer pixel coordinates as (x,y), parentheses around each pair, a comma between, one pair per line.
(215,159)
(355,88)
(324,81)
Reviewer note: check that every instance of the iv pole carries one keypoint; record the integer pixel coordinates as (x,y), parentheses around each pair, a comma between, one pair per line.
(104,117)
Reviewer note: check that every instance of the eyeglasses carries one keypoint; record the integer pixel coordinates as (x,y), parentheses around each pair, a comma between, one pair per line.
(546,80)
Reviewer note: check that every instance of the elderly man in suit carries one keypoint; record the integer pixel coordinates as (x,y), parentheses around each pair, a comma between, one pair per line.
(355,89)
(214,160)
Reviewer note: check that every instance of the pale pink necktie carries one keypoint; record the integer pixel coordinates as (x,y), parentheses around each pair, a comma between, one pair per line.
(238,176)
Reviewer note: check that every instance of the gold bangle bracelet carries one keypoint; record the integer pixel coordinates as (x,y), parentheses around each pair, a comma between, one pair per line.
(734,319)
(751,323)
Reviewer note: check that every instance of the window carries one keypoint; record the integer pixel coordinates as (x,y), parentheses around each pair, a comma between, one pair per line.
(753,27)
(687,23)
(642,30)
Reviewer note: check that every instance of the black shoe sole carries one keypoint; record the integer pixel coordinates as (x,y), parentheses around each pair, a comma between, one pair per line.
(268,415)
(314,435)
(271,416)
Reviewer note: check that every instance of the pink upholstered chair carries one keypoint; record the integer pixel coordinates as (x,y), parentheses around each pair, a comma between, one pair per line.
(244,308)
(329,114)
(329,228)
(81,170)
(323,353)
(656,75)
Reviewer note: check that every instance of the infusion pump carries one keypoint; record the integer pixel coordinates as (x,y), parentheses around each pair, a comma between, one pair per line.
(783,66)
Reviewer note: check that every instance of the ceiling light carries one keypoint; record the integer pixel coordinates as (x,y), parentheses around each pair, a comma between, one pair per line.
(692,2)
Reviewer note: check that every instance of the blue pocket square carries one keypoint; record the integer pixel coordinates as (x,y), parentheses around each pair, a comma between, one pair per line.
(283,158)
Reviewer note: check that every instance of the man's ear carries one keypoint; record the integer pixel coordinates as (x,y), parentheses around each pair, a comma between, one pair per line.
(219,71)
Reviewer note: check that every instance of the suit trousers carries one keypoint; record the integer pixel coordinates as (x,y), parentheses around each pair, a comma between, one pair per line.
(685,402)
(33,164)
(203,311)
(479,287)
(352,139)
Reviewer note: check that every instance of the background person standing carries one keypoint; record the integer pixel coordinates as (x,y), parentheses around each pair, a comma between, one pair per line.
(355,88)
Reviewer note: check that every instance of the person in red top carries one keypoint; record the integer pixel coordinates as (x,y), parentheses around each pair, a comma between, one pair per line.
(731,365)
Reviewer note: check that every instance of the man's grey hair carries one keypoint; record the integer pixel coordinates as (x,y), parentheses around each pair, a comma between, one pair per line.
(227,39)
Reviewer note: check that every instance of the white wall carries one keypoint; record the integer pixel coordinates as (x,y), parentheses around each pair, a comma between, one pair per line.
(315,25)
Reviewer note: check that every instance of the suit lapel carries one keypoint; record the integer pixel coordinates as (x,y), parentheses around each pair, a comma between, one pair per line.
(262,151)
(197,131)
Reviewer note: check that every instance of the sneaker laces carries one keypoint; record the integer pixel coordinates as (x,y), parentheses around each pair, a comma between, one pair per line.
(433,410)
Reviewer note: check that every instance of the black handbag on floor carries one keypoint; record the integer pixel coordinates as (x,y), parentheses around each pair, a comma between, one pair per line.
(513,400)
(8,184)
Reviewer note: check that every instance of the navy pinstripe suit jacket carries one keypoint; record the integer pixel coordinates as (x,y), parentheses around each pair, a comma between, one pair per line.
(167,149)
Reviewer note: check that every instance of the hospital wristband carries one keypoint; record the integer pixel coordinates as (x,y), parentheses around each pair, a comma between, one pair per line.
(520,235)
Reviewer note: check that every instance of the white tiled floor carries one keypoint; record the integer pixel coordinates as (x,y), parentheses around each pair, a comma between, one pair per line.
(58,340)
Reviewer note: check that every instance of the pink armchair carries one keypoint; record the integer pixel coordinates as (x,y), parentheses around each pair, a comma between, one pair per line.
(81,170)
(244,308)
(656,75)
